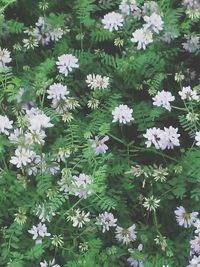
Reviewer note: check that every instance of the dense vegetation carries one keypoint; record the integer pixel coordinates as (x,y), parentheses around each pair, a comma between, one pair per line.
(99,133)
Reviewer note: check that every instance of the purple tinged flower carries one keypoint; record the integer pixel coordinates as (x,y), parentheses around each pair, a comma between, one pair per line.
(126,235)
(106,220)
(153,137)
(194,262)
(112,21)
(133,262)
(82,185)
(192,43)
(163,139)
(99,145)
(169,138)
(197,226)
(195,244)
(163,99)
(66,63)
(184,218)
(82,180)
(39,232)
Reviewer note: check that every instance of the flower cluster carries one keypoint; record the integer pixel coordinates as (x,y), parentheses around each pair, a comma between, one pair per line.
(4,57)
(162,139)
(43,33)
(192,8)
(39,232)
(163,99)
(79,218)
(113,21)
(122,114)
(66,63)
(80,185)
(97,81)
(128,7)
(192,43)
(189,220)
(144,36)
(99,145)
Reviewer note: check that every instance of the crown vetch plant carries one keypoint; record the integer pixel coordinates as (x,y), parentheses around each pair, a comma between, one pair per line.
(99,133)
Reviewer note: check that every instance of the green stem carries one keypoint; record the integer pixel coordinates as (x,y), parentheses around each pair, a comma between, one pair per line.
(117,139)
(184,109)
(143,149)
(75,205)
(4,162)
(156,222)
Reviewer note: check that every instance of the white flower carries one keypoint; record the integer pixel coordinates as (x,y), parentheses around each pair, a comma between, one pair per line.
(163,99)
(63,154)
(197,138)
(169,138)
(22,157)
(57,91)
(195,244)
(44,213)
(161,241)
(153,137)
(197,226)
(38,120)
(82,185)
(4,57)
(192,44)
(112,21)
(65,185)
(126,235)
(123,114)
(16,135)
(151,203)
(35,164)
(106,220)
(30,43)
(35,137)
(184,218)
(44,32)
(169,36)
(163,139)
(39,232)
(128,6)
(150,7)
(154,23)
(50,264)
(66,63)
(143,37)
(5,124)
(192,117)
(40,23)
(97,81)
(188,93)
(82,179)
(160,174)
(56,34)
(79,218)
(193,4)
(20,95)
(194,262)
